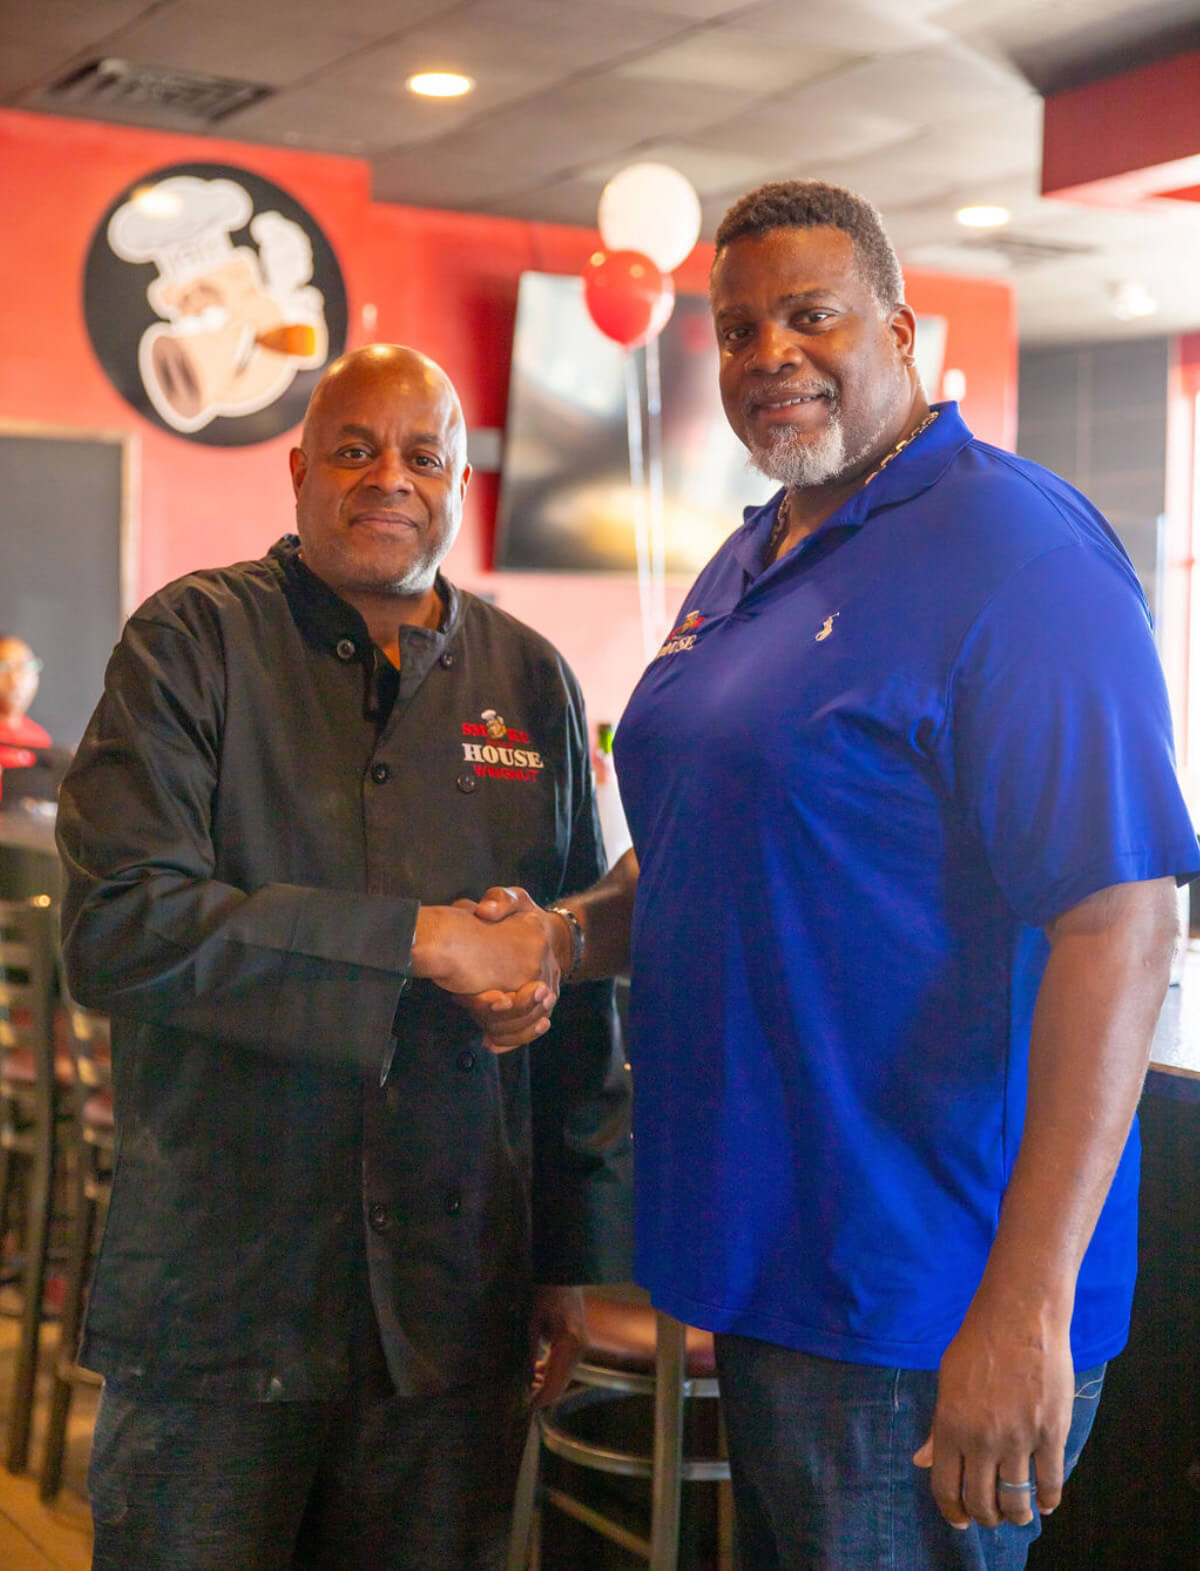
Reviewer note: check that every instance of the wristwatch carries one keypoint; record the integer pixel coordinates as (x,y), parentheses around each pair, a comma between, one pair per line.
(576,932)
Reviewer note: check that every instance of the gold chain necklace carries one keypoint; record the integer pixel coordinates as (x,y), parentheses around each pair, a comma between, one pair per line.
(779,528)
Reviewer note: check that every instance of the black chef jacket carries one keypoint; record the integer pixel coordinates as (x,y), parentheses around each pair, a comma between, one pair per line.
(254,814)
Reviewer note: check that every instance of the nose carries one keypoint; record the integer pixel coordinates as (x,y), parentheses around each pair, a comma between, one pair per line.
(389,473)
(775,348)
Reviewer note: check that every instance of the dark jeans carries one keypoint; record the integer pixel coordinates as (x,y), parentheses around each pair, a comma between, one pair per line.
(823,1477)
(374,1482)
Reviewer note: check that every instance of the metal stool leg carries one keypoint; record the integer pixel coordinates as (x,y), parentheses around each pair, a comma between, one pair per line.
(83,1227)
(668,1445)
(525,1501)
(33,1284)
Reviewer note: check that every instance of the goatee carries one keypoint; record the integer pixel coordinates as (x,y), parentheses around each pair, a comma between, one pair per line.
(795,459)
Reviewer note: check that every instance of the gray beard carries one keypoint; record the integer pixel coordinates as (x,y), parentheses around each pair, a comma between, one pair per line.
(798,461)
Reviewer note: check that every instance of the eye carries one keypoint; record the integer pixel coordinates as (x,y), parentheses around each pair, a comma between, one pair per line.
(738,334)
(813,316)
(426,461)
(354,451)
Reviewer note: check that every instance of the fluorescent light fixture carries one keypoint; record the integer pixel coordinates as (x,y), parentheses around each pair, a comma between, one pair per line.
(982,217)
(439,84)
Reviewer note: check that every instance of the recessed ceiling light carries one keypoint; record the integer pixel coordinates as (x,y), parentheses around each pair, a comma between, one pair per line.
(439,84)
(982,217)
(1128,300)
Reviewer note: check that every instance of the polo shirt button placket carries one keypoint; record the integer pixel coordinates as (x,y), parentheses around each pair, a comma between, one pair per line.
(380,773)
(446,659)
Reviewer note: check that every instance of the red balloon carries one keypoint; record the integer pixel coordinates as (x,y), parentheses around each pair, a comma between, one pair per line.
(627,296)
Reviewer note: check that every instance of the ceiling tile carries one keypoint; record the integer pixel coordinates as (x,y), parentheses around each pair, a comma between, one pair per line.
(707,168)
(69,25)
(539,35)
(424,179)
(385,117)
(567,201)
(246,47)
(727,57)
(785,130)
(882,26)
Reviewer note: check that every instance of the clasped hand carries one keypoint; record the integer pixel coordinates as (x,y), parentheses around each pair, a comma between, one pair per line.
(522,1014)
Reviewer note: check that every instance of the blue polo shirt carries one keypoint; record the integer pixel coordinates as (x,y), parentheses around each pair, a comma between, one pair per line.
(858,782)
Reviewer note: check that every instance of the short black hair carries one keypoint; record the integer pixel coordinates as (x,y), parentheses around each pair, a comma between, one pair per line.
(812,204)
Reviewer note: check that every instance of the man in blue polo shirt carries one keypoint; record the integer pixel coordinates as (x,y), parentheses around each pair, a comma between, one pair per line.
(904,807)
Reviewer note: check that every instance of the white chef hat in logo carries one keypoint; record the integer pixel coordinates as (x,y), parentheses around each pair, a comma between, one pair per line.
(182,223)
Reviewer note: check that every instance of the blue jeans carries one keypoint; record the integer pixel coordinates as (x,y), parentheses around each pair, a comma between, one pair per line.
(823,1477)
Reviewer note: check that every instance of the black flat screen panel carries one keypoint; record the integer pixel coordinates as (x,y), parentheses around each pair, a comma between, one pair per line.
(60,566)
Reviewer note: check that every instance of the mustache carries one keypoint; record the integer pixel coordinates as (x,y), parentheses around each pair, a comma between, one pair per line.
(774,393)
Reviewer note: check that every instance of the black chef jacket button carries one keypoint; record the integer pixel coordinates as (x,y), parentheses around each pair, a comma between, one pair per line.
(377,1215)
(380,773)
(467,783)
(453,1203)
(447,659)
(466,1059)
(346,649)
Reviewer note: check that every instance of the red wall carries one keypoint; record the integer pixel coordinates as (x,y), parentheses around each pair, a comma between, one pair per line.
(444,282)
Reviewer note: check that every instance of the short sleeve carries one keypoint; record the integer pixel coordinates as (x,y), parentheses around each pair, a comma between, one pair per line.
(1060,734)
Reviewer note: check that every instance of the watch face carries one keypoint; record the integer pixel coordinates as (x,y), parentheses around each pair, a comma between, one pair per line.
(213,302)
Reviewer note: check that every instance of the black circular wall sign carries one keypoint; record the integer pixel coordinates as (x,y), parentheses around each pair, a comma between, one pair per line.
(213,302)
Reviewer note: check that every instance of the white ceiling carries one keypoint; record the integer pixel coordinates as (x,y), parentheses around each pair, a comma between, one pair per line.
(923,105)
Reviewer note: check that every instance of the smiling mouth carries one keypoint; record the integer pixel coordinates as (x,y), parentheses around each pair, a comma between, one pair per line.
(385,523)
(786,401)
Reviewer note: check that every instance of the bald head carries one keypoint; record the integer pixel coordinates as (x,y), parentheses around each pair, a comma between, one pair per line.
(386,371)
(380,474)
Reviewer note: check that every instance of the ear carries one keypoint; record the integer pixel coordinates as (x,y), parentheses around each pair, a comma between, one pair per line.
(462,484)
(298,464)
(902,324)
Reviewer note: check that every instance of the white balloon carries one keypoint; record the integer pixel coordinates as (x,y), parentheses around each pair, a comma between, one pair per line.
(653,209)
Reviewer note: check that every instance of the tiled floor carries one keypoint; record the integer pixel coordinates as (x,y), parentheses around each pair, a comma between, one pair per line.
(33,1536)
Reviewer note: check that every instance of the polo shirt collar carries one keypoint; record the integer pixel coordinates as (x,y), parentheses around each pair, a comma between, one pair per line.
(912,471)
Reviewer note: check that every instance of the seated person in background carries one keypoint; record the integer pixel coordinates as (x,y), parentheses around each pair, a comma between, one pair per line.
(21,739)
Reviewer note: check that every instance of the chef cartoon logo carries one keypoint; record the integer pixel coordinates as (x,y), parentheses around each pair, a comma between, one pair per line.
(213,300)
(503,753)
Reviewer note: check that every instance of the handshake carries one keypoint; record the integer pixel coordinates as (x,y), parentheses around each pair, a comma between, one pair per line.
(502,956)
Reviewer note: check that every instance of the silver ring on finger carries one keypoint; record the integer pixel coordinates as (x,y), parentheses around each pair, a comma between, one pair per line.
(1028,1486)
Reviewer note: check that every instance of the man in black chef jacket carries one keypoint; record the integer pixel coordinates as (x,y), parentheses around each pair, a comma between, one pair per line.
(335,1216)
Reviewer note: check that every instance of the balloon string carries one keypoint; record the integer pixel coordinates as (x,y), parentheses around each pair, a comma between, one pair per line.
(654,456)
(637,490)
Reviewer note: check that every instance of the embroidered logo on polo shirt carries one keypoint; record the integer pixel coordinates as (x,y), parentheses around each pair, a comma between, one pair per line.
(681,638)
(504,753)
(826,628)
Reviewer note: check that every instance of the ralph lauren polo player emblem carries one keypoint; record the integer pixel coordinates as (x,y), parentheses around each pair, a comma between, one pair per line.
(826,628)
(681,638)
(503,753)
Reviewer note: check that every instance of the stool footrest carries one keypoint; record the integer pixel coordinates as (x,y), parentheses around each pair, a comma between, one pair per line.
(596,1520)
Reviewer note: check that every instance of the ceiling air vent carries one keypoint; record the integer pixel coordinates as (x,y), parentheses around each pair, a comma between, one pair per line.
(121,87)
(1024,251)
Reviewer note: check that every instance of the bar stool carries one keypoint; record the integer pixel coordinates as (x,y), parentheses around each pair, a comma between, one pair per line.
(633,1350)
(33,1101)
(94,1145)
